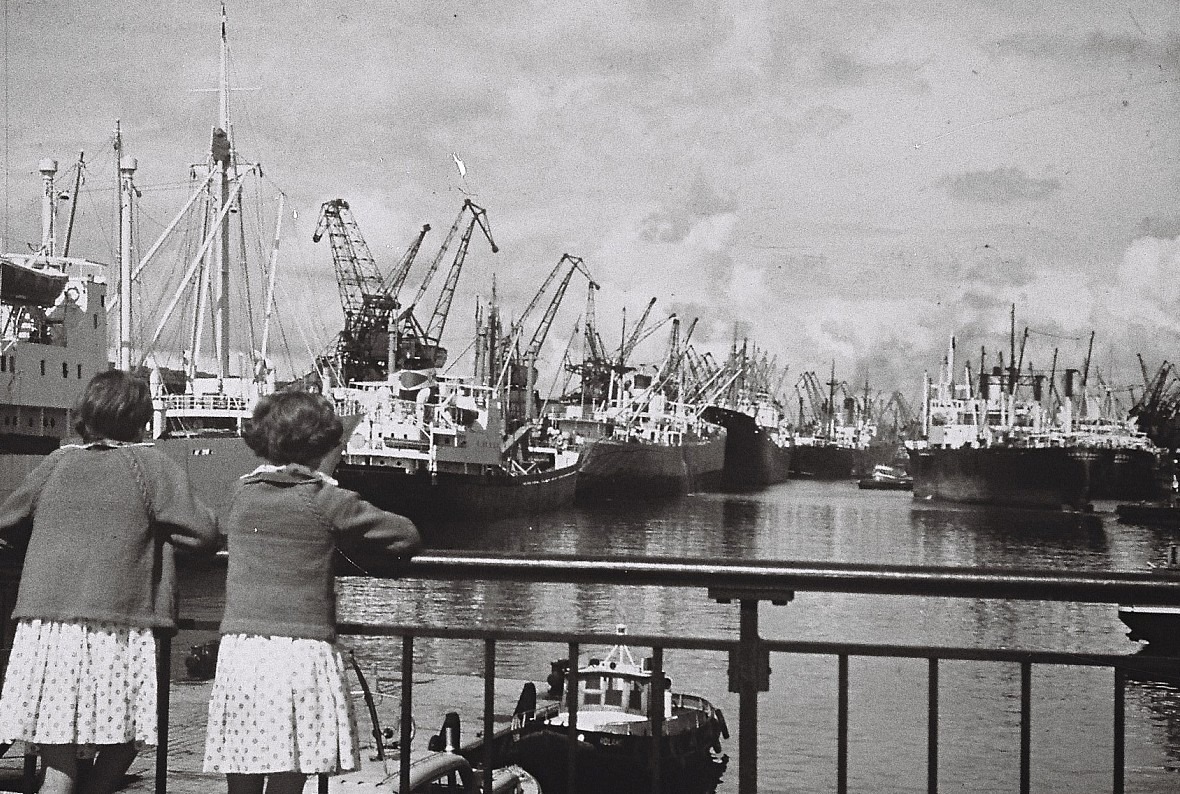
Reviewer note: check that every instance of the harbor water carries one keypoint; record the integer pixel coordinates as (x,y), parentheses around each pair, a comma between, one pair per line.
(979,703)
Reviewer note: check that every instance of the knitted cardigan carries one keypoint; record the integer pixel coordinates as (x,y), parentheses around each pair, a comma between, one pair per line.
(102,523)
(282,530)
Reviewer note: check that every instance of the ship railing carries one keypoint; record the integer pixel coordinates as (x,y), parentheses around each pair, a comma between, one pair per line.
(748,585)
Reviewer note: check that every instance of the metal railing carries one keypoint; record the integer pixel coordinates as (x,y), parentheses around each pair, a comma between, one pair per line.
(748,584)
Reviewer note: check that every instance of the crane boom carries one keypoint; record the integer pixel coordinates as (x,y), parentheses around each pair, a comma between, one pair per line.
(628,345)
(397,277)
(476,211)
(542,331)
(438,320)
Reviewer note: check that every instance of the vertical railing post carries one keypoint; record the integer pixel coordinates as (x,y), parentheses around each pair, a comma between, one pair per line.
(842,726)
(749,674)
(655,713)
(932,728)
(489,708)
(1119,728)
(407,713)
(163,704)
(571,702)
(747,689)
(1025,726)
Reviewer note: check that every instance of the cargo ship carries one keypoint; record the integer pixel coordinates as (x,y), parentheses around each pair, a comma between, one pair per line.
(638,437)
(666,449)
(437,450)
(757,454)
(757,438)
(54,340)
(835,437)
(986,445)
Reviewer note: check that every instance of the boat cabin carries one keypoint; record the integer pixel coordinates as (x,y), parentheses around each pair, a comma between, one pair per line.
(615,690)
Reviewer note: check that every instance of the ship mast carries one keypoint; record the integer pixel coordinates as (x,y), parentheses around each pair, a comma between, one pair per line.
(126,193)
(221,154)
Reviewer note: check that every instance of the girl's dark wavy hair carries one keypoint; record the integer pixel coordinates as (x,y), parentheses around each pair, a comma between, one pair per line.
(293,427)
(115,405)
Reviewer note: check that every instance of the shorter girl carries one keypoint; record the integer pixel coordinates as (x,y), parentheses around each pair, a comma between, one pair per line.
(101,522)
(279,709)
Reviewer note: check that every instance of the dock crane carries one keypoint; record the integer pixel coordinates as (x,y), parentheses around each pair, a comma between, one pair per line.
(421,344)
(369,301)
(593,374)
(521,366)
(512,338)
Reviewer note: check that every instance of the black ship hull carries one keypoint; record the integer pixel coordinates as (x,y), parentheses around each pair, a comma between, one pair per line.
(1114,473)
(1159,626)
(752,458)
(1031,477)
(448,497)
(614,763)
(613,469)
(825,462)
(1146,514)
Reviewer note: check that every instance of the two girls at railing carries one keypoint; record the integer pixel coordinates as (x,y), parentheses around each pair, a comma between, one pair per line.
(99,524)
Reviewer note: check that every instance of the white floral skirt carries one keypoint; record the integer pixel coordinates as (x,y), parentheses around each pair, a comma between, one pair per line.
(280,704)
(79,682)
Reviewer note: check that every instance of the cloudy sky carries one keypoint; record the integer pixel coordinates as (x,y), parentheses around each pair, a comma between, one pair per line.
(841,182)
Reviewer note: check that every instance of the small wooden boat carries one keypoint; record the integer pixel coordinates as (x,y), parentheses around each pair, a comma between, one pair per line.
(614,733)
(887,478)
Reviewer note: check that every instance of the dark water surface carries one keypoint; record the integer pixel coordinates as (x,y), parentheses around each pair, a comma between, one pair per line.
(979,740)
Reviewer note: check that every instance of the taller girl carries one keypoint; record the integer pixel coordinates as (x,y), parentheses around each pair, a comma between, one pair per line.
(101,521)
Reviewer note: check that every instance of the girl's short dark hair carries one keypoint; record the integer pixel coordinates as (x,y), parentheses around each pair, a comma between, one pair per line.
(293,427)
(115,405)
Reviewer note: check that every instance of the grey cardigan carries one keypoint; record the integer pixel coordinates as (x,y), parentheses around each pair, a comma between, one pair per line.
(282,530)
(102,523)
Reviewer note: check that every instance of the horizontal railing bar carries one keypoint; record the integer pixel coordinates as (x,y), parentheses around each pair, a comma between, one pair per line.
(1118,660)
(1114,660)
(762,578)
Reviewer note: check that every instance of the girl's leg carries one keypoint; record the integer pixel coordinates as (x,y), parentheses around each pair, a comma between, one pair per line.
(110,764)
(244,784)
(285,783)
(61,768)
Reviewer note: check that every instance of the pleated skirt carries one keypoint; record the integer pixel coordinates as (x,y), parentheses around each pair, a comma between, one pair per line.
(79,682)
(280,704)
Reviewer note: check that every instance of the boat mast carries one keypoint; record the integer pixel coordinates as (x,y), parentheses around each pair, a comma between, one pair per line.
(831,423)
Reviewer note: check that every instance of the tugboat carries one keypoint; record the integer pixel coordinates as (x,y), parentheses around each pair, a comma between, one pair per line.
(886,478)
(613,718)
